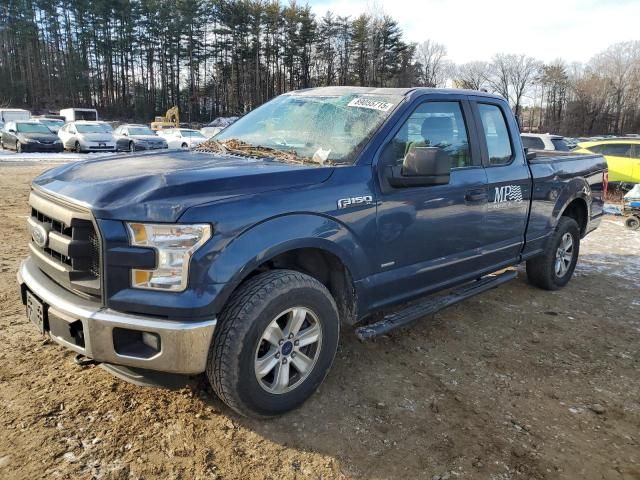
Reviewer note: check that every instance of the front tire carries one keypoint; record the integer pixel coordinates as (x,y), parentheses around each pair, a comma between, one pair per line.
(77,148)
(554,268)
(274,344)
(18,147)
(132,147)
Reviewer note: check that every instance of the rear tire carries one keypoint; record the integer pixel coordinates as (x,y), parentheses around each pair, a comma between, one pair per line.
(77,148)
(184,145)
(554,268)
(632,223)
(274,344)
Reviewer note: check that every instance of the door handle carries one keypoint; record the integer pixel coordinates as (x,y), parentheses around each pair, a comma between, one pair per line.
(476,196)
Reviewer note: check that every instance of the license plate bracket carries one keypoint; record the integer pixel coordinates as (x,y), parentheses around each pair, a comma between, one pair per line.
(36,312)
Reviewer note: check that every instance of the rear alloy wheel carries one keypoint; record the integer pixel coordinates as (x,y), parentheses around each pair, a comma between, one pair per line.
(554,268)
(274,343)
(632,223)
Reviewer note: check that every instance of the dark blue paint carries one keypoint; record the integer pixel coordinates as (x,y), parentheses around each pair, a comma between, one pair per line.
(408,242)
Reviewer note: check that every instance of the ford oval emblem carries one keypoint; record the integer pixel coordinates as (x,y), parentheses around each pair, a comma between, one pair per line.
(40,235)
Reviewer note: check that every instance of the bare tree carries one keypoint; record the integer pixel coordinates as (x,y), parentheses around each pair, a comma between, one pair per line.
(433,65)
(471,75)
(511,76)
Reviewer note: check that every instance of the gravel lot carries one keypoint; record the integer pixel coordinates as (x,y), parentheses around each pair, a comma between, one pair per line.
(515,383)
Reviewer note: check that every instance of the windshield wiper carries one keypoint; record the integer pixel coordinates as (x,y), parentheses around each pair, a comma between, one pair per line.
(239,147)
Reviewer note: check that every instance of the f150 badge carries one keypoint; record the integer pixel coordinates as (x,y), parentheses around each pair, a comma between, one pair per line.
(355,201)
(507,196)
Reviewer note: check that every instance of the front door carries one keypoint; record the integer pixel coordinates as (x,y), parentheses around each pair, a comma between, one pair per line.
(428,236)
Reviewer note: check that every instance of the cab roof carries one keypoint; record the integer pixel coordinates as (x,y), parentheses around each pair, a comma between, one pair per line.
(336,91)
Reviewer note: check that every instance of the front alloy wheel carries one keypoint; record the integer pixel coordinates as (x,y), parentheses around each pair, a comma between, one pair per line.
(274,343)
(288,350)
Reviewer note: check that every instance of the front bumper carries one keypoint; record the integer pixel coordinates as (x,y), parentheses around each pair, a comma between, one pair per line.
(184,346)
(42,147)
(146,146)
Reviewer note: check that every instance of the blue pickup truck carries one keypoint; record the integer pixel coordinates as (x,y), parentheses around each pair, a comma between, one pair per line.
(322,209)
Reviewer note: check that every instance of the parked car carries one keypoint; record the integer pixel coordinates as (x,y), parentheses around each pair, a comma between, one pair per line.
(247,265)
(75,114)
(84,136)
(182,137)
(29,136)
(52,124)
(623,158)
(544,141)
(132,137)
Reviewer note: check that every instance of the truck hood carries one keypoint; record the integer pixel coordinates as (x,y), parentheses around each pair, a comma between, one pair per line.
(159,187)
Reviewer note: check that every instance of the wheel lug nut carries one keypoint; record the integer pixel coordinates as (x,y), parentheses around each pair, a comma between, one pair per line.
(290,336)
(278,355)
(280,342)
(293,354)
(296,343)
(284,361)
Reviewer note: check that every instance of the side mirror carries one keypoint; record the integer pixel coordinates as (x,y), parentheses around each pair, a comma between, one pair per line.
(529,155)
(421,166)
(11,130)
(125,134)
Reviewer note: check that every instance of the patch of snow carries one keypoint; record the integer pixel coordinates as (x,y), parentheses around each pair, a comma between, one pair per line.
(8,156)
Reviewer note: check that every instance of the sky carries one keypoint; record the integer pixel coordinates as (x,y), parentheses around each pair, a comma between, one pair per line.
(574,30)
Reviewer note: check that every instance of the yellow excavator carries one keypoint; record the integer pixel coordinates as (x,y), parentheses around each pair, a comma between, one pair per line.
(171,119)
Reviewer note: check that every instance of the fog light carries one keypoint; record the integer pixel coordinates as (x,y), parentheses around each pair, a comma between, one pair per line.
(151,340)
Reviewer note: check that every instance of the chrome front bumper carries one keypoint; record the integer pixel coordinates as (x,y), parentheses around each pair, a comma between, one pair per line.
(184,346)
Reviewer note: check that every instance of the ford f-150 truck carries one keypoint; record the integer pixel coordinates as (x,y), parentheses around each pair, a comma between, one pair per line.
(323,208)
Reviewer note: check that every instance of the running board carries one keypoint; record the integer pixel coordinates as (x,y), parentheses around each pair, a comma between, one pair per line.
(432,305)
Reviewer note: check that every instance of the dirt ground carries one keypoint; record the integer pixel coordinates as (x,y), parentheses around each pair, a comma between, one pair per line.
(515,383)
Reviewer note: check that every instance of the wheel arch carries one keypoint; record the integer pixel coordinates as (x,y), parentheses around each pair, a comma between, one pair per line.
(312,244)
(577,209)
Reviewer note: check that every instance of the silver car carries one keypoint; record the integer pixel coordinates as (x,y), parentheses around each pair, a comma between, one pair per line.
(132,137)
(83,136)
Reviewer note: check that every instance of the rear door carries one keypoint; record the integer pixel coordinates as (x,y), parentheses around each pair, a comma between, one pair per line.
(428,236)
(619,161)
(636,164)
(508,182)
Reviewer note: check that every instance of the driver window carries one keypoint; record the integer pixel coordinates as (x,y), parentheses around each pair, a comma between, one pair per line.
(433,124)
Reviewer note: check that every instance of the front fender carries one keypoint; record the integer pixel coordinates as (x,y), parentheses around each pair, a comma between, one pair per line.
(278,235)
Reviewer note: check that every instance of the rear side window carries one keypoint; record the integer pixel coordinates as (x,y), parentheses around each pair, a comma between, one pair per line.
(616,149)
(560,144)
(496,134)
(532,142)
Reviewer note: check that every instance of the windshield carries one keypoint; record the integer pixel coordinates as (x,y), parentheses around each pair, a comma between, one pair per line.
(140,131)
(90,128)
(560,144)
(319,129)
(191,133)
(52,123)
(32,128)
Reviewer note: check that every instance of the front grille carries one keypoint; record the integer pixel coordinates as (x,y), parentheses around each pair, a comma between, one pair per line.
(66,244)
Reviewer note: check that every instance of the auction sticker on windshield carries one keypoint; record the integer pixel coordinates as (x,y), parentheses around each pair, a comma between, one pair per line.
(362,102)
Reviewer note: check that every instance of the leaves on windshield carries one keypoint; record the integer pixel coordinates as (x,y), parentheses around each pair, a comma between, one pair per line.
(238,147)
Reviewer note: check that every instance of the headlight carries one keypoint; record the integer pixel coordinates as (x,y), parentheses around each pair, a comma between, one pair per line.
(175,244)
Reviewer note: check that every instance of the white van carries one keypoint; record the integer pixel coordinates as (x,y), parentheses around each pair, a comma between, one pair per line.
(13,115)
(73,114)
